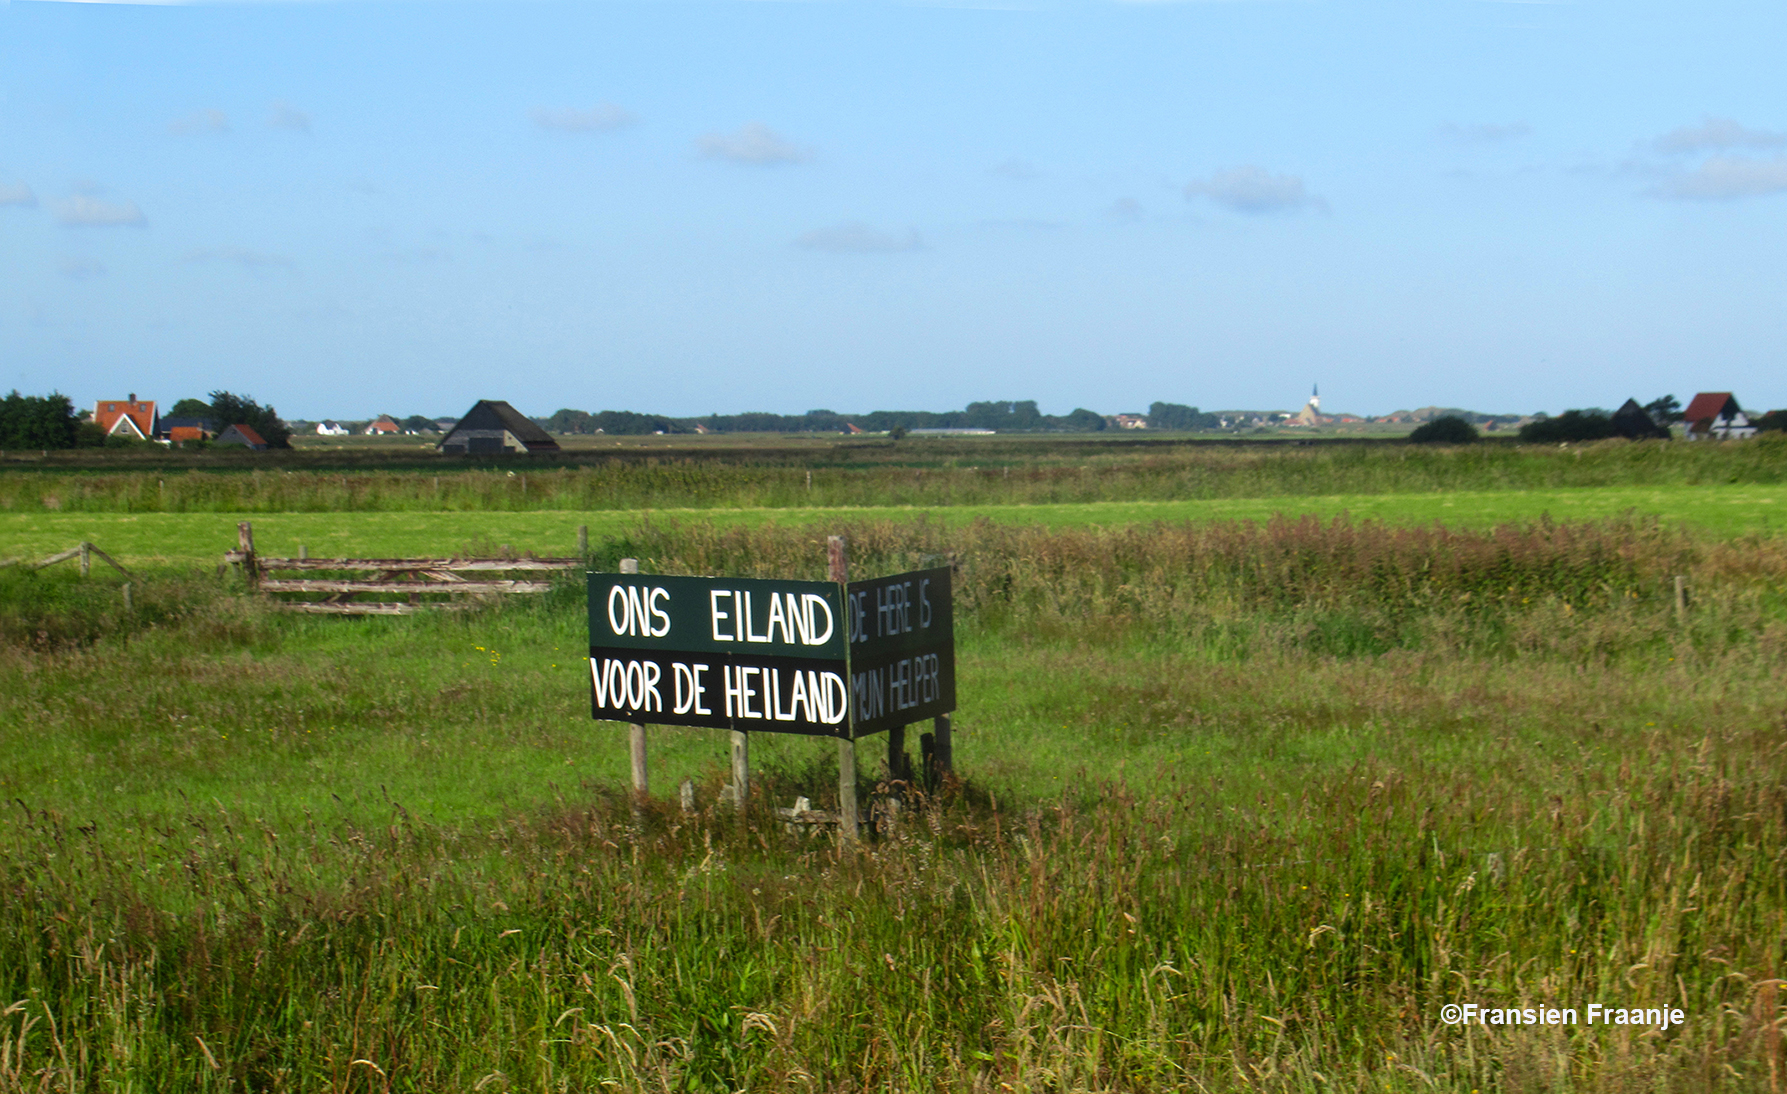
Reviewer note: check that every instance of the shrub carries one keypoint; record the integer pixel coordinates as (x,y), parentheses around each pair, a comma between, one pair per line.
(1571,425)
(1447,430)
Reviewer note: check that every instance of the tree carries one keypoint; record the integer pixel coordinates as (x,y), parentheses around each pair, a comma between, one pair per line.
(228,409)
(1448,430)
(191,408)
(1664,411)
(1571,425)
(1085,421)
(1773,422)
(1179,417)
(418,423)
(570,421)
(37,421)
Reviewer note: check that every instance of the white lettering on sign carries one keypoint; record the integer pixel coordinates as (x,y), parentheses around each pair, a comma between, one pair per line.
(893,613)
(626,685)
(893,609)
(634,610)
(807,695)
(904,684)
(802,619)
(689,688)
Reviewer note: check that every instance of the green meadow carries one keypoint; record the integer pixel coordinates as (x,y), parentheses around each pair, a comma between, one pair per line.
(196,538)
(1247,790)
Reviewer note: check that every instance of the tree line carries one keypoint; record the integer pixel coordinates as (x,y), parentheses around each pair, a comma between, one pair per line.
(1004,416)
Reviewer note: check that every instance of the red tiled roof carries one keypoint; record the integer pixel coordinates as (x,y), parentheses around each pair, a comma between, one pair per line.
(141,412)
(1707,404)
(248,434)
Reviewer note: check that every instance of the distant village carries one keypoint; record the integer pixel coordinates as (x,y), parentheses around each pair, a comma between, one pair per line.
(494,426)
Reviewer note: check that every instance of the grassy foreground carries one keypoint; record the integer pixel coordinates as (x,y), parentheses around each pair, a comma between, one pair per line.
(1245,805)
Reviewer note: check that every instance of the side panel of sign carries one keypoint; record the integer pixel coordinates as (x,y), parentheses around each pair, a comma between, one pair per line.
(902,649)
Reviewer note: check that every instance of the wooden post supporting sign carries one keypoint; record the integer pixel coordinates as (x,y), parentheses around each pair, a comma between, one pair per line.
(636,732)
(847,818)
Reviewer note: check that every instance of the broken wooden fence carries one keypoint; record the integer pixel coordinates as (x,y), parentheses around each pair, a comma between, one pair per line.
(83,550)
(461,581)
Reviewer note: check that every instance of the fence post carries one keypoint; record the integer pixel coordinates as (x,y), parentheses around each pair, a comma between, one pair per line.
(896,755)
(1681,597)
(741,769)
(86,558)
(303,552)
(942,747)
(839,566)
(583,541)
(636,733)
(245,543)
(129,607)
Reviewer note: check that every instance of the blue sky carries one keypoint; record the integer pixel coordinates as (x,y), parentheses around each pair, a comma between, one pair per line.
(686,207)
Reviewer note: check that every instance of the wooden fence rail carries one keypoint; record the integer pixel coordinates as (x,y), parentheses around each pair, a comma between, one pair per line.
(411,578)
(84,551)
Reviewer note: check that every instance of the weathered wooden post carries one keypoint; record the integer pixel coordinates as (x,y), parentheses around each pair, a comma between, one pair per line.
(941,746)
(896,755)
(636,732)
(303,552)
(128,605)
(1681,597)
(245,544)
(741,769)
(583,541)
(86,558)
(847,823)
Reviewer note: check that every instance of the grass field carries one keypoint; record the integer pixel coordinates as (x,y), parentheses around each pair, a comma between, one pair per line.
(200,538)
(1245,800)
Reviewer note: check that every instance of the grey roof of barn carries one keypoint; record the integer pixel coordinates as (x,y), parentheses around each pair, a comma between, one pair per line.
(497,414)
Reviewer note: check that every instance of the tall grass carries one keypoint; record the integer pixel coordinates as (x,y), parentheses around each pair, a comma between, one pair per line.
(1375,770)
(1138,944)
(921,474)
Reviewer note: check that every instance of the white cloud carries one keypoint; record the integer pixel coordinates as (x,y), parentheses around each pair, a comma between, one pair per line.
(857,238)
(1486,132)
(17,194)
(81,268)
(755,143)
(85,210)
(240,256)
(1715,135)
(1254,190)
(201,121)
(283,115)
(597,119)
(1724,178)
(1015,169)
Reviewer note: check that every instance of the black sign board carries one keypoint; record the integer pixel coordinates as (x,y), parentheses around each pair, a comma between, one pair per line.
(902,649)
(770,656)
(725,653)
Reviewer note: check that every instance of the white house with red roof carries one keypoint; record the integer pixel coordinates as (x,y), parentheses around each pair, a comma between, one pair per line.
(1715,415)
(129,417)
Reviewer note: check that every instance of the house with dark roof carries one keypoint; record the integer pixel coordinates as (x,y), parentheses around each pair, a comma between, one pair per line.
(1715,415)
(242,435)
(1634,423)
(492,427)
(126,417)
